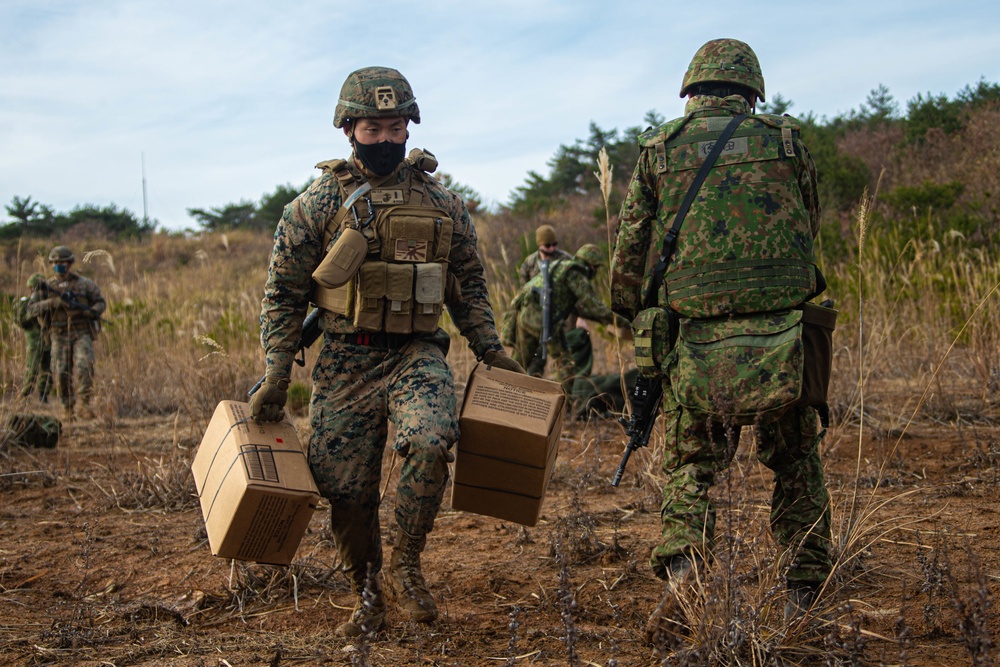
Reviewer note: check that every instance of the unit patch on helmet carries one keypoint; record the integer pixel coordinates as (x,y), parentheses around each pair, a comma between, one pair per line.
(385,98)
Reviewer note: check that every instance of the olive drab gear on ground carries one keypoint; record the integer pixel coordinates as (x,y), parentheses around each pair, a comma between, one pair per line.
(375,92)
(400,284)
(725,61)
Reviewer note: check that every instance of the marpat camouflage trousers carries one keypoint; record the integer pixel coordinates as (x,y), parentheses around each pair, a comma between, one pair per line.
(800,506)
(73,352)
(357,392)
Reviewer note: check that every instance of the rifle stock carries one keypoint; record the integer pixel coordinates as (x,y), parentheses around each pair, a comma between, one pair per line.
(646,397)
(311,330)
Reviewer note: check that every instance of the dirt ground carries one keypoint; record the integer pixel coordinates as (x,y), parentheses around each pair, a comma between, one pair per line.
(104,561)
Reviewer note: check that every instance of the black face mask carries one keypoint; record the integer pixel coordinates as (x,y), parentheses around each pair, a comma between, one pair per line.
(380,158)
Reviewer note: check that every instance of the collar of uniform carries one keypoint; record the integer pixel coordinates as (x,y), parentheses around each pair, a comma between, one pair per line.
(733,104)
(360,173)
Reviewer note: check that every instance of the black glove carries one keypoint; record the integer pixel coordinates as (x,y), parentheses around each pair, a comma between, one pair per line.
(499,359)
(267,403)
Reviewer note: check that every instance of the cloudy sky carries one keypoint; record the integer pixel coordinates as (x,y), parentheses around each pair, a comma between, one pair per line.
(224,101)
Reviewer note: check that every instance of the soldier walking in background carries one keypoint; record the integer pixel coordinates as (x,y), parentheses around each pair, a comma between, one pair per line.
(571,296)
(37,351)
(69,307)
(742,264)
(576,333)
(383,355)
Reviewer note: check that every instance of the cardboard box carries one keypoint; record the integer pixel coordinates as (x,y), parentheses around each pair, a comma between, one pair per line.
(510,426)
(256,490)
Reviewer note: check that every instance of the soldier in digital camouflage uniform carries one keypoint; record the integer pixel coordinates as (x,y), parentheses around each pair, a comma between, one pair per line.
(573,296)
(37,351)
(70,307)
(764,182)
(383,355)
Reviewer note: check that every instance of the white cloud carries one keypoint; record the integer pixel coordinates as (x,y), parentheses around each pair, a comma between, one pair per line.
(230,99)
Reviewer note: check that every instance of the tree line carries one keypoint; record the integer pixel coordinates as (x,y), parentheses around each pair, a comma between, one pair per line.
(844,174)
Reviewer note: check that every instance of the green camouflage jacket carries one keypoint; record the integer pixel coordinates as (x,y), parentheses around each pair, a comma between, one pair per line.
(759,182)
(572,295)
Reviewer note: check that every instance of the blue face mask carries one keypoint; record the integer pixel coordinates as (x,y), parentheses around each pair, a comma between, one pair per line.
(60,269)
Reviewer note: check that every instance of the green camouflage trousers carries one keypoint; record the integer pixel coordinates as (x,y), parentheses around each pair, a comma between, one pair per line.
(571,352)
(357,392)
(38,364)
(73,351)
(800,506)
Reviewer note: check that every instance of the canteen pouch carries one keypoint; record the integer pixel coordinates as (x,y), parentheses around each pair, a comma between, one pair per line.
(818,323)
(428,296)
(370,302)
(399,298)
(654,332)
(343,260)
(740,367)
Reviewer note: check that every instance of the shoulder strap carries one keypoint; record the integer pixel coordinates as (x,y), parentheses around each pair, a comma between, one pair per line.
(670,240)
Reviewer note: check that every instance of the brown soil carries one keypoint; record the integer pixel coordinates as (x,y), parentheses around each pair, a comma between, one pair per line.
(103,561)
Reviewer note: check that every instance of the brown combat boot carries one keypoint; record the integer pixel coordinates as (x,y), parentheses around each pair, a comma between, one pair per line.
(368,616)
(667,622)
(406,581)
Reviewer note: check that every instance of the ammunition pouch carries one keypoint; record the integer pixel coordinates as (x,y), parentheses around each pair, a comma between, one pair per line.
(654,333)
(401,284)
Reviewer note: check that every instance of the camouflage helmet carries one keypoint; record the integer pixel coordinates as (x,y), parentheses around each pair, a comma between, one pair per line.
(61,254)
(35,280)
(591,254)
(375,92)
(725,61)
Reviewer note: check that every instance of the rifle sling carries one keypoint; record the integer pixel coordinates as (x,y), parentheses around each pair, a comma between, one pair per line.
(670,239)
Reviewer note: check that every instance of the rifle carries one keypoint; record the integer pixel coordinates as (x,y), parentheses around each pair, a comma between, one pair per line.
(648,392)
(311,330)
(646,396)
(545,298)
(70,300)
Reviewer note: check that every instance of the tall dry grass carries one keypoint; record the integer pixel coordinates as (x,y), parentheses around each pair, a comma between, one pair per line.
(181,329)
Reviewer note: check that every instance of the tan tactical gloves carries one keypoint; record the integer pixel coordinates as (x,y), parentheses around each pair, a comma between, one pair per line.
(499,359)
(267,403)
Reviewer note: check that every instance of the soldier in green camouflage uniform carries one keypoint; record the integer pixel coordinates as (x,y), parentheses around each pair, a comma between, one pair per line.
(576,334)
(72,329)
(764,182)
(383,360)
(37,352)
(573,296)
